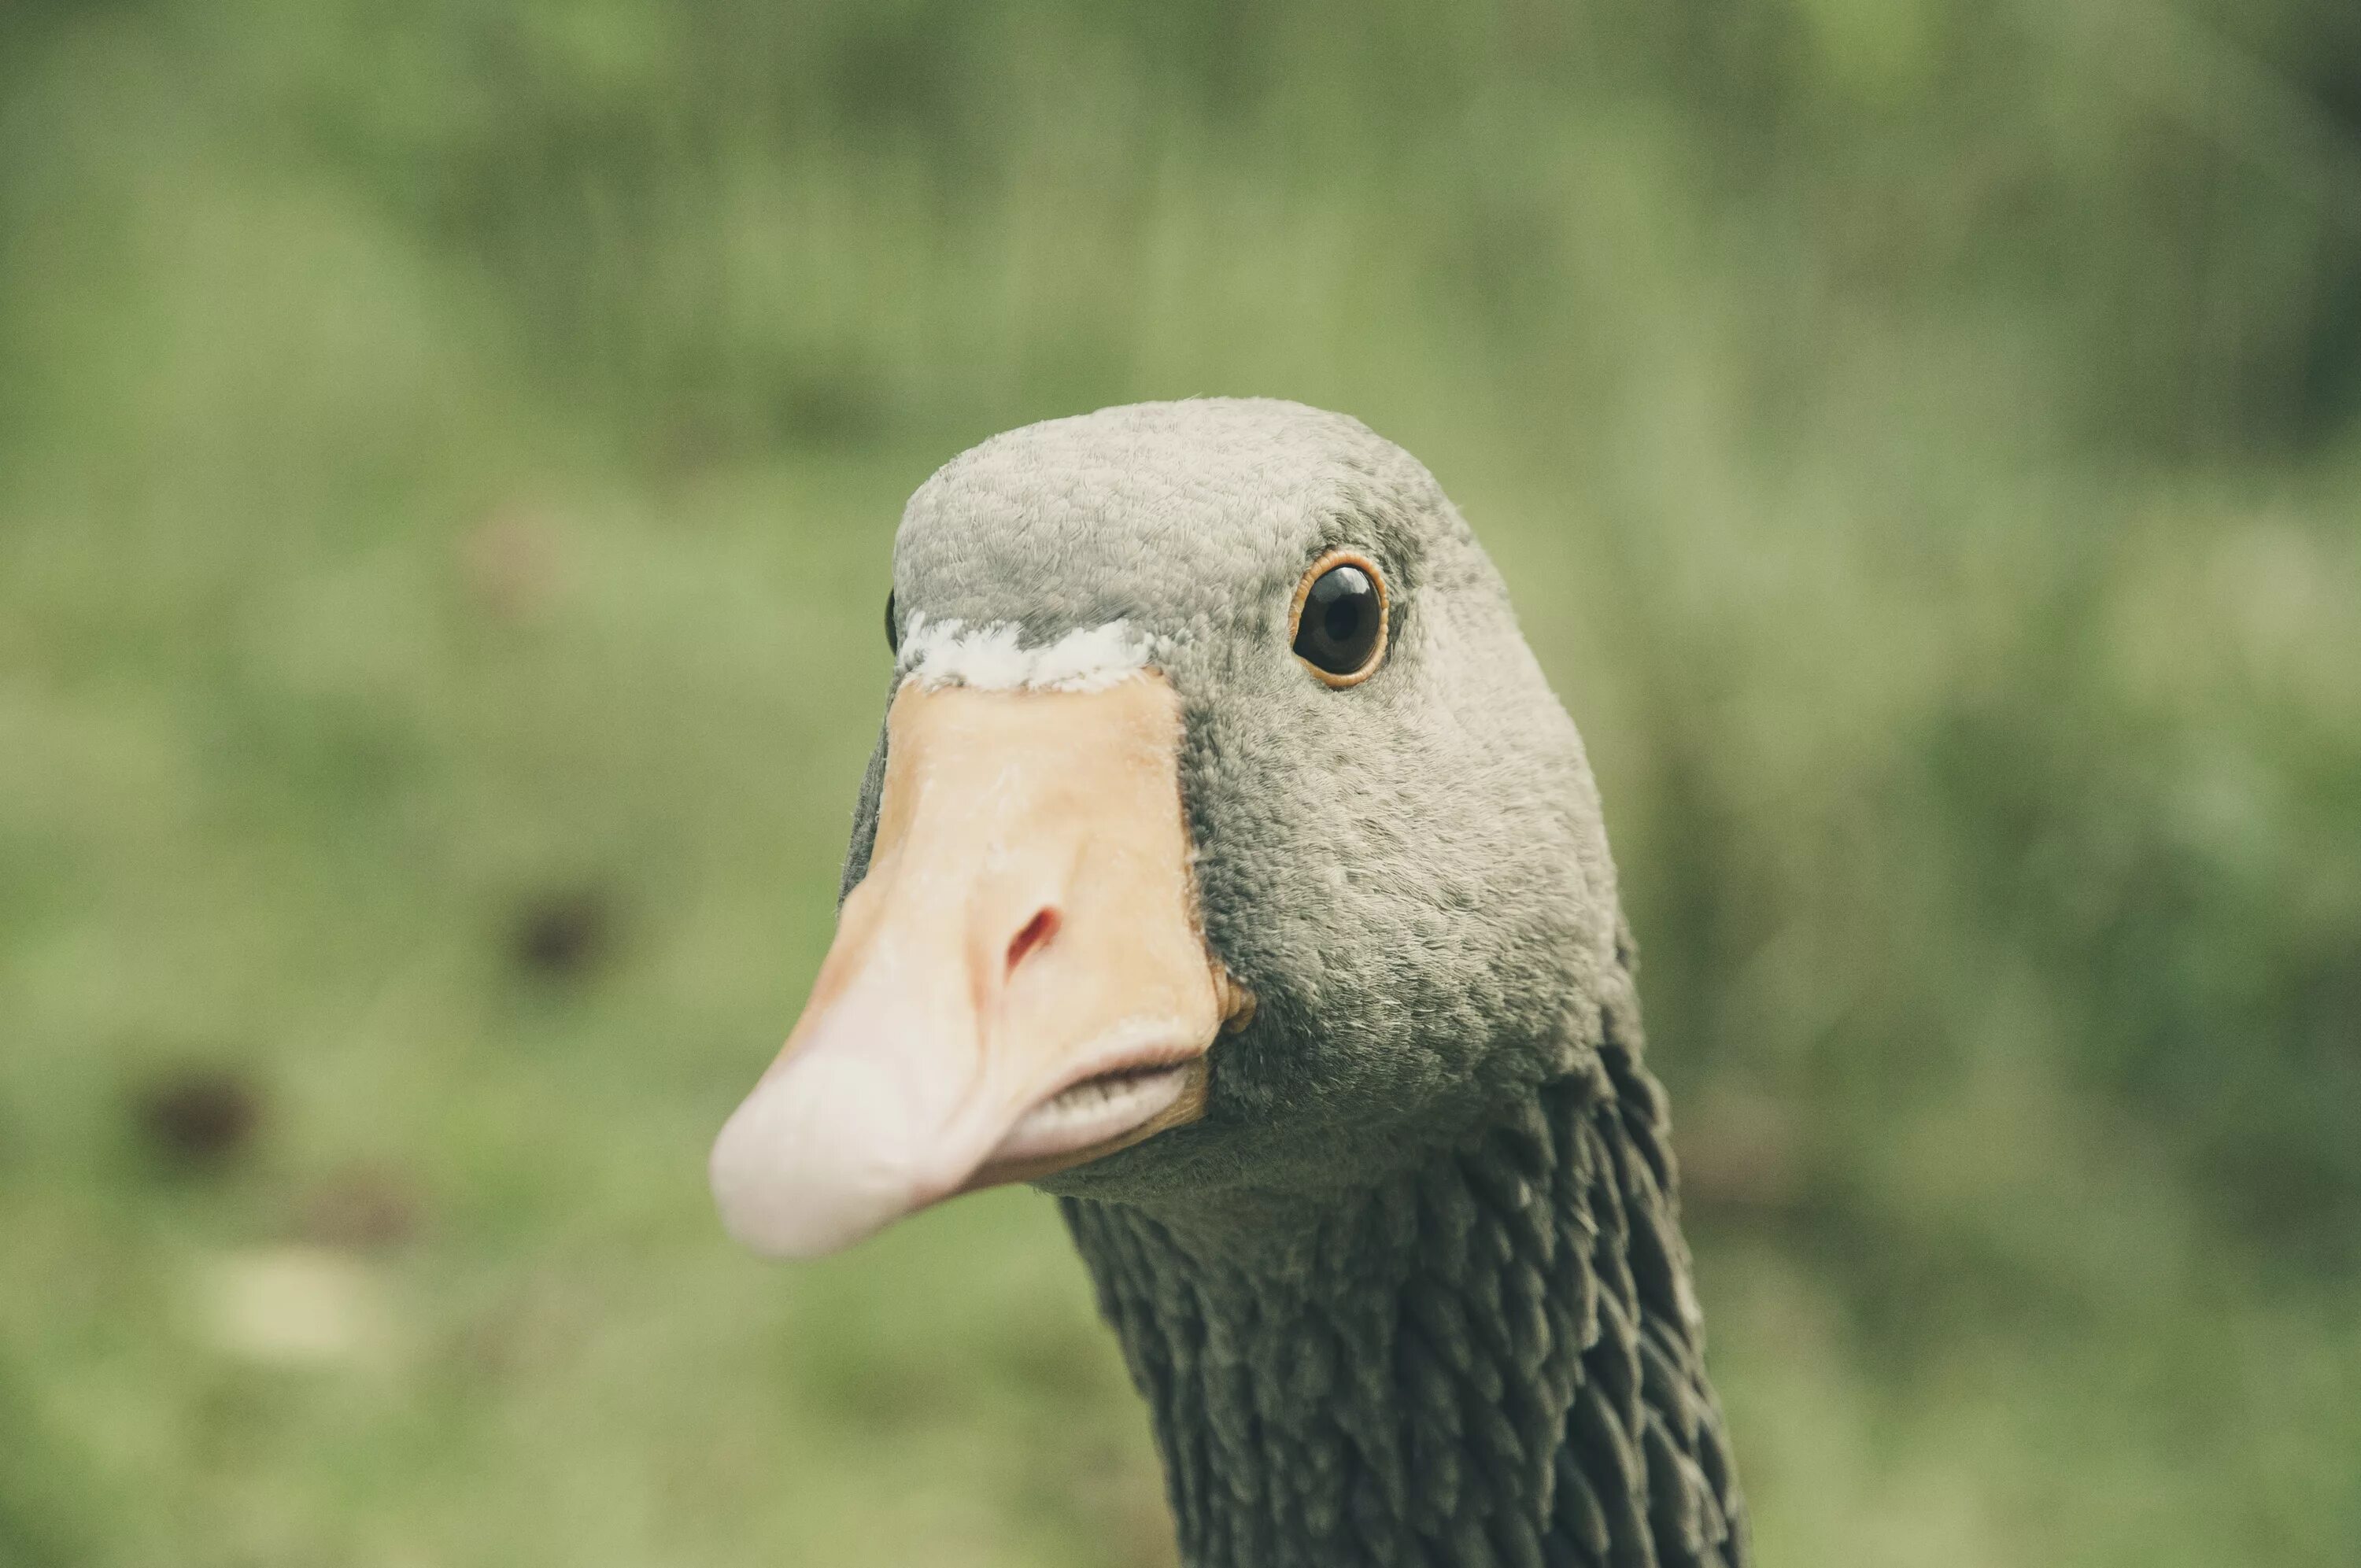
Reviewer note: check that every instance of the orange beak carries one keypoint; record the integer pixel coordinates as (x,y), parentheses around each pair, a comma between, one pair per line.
(1018,985)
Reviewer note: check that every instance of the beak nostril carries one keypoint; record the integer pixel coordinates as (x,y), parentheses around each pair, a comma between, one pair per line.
(1036,934)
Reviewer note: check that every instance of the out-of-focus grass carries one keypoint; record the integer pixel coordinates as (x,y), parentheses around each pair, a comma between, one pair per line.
(447,462)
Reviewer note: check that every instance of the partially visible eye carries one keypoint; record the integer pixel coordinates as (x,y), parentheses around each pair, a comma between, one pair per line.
(893,627)
(1338,624)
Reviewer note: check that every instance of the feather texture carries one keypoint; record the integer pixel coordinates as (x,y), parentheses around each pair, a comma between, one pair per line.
(1492,1359)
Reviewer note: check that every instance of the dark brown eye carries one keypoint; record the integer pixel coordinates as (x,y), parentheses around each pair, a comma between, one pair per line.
(1339,623)
(893,628)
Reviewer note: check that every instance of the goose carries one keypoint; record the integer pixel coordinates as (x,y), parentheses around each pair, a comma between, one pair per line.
(1227,868)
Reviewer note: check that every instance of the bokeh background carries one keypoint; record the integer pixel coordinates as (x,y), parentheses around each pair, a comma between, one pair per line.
(449,452)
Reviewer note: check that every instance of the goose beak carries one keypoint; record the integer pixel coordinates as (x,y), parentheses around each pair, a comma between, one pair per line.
(1017,986)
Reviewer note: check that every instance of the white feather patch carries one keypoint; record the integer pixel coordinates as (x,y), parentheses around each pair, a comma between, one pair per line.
(952,653)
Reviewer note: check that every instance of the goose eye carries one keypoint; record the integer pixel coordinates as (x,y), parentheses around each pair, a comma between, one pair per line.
(1339,621)
(893,631)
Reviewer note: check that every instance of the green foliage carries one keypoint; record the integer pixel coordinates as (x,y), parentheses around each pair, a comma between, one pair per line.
(447,460)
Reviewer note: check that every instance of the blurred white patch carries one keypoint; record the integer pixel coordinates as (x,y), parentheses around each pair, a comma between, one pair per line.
(293,1306)
(952,653)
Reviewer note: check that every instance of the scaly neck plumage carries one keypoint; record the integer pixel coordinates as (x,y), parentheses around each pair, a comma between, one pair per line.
(1494,1357)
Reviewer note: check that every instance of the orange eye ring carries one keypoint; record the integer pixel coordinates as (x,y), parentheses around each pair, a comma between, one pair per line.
(1362,580)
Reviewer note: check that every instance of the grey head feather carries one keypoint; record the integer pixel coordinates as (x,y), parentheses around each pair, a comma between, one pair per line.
(1411,873)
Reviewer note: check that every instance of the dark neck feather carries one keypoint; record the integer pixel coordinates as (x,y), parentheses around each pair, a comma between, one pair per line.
(1493,1358)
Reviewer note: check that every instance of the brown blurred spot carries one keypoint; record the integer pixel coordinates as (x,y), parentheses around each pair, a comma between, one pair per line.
(363,1208)
(1117,1495)
(199,1118)
(509,562)
(563,935)
(1737,1151)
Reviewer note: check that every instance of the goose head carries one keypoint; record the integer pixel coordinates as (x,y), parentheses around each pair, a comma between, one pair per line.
(1223,841)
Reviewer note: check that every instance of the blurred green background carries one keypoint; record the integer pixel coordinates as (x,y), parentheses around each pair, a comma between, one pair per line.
(448,459)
